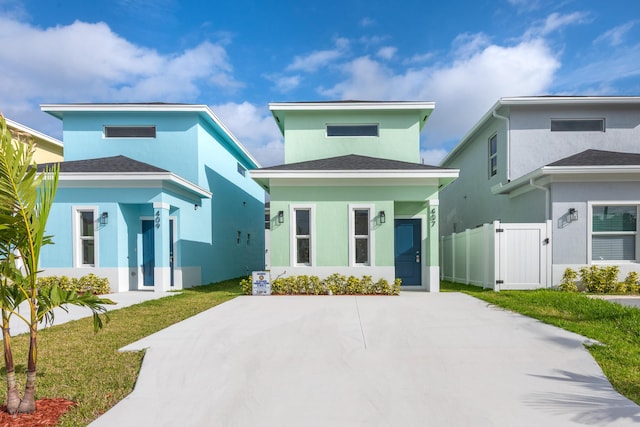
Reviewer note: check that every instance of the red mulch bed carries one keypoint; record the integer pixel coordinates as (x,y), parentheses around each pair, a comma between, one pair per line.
(48,412)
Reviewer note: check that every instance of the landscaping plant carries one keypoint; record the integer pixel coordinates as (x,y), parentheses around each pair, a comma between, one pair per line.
(26,198)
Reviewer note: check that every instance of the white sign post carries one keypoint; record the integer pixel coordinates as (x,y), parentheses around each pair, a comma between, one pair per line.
(261,283)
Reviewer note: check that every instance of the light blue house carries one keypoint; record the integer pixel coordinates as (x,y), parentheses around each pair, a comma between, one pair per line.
(153,196)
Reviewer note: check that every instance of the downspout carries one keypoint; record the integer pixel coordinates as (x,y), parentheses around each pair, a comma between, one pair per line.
(506,119)
(547,197)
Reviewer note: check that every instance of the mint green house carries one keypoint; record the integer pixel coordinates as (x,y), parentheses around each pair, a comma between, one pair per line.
(352,196)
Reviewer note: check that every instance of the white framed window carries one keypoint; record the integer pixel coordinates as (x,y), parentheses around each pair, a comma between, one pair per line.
(85,236)
(351,130)
(242,170)
(614,232)
(493,155)
(302,235)
(361,241)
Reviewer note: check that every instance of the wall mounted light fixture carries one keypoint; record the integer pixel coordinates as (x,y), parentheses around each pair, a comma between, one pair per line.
(383,217)
(280,217)
(573,214)
(104,218)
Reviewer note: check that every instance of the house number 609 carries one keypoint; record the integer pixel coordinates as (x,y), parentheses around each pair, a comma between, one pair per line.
(158,219)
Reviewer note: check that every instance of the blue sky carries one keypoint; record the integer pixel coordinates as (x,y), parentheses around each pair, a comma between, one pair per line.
(237,56)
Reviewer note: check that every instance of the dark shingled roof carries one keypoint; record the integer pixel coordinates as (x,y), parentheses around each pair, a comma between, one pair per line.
(351,162)
(116,164)
(599,158)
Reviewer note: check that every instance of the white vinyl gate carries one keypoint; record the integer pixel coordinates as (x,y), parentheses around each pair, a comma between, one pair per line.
(499,256)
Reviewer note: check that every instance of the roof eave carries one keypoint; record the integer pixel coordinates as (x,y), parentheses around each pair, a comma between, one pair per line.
(136,177)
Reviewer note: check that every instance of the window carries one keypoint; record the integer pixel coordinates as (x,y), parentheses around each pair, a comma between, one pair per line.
(577,125)
(129,131)
(242,170)
(614,229)
(493,155)
(352,130)
(85,248)
(361,236)
(302,236)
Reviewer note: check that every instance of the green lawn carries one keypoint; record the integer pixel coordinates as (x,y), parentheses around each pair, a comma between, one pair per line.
(75,364)
(613,325)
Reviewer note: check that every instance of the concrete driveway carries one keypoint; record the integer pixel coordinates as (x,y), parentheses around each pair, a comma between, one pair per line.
(415,360)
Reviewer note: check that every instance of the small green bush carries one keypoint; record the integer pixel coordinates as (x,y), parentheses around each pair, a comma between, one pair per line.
(631,282)
(86,284)
(568,282)
(598,279)
(335,284)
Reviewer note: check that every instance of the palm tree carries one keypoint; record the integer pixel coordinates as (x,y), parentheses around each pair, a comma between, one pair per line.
(26,198)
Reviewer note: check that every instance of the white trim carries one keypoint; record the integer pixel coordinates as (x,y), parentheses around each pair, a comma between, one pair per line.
(126,178)
(434,202)
(331,106)
(293,244)
(372,241)
(76,245)
(22,128)
(367,174)
(161,205)
(590,205)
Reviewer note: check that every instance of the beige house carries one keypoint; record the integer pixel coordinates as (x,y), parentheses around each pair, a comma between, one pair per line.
(48,149)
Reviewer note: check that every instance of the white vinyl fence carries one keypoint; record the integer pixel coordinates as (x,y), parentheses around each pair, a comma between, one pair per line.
(499,256)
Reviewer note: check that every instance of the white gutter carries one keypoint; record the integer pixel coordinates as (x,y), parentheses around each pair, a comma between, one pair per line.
(506,119)
(547,197)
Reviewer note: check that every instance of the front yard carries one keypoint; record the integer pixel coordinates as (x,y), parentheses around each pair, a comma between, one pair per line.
(88,369)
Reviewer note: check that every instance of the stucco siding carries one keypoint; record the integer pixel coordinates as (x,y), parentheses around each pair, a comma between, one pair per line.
(533,145)
(305,135)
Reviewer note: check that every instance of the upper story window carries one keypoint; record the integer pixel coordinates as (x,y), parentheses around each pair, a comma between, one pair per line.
(129,131)
(352,130)
(493,155)
(242,170)
(577,125)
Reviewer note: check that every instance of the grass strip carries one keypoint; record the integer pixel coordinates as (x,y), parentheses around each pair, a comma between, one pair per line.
(75,364)
(614,325)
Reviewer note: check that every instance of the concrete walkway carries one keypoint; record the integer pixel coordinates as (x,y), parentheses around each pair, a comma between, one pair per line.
(415,360)
(122,299)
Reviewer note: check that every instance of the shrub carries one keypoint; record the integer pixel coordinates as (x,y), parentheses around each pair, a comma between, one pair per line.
(599,279)
(90,283)
(568,282)
(335,284)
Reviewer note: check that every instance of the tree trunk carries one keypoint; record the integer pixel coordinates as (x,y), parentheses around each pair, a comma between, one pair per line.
(28,403)
(13,397)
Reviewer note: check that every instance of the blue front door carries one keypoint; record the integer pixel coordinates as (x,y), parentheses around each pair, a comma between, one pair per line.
(148,252)
(408,254)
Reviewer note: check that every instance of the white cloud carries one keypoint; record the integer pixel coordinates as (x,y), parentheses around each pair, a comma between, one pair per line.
(555,22)
(62,63)
(466,45)
(387,52)
(463,89)
(317,59)
(420,58)
(433,157)
(286,83)
(367,22)
(255,128)
(616,35)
